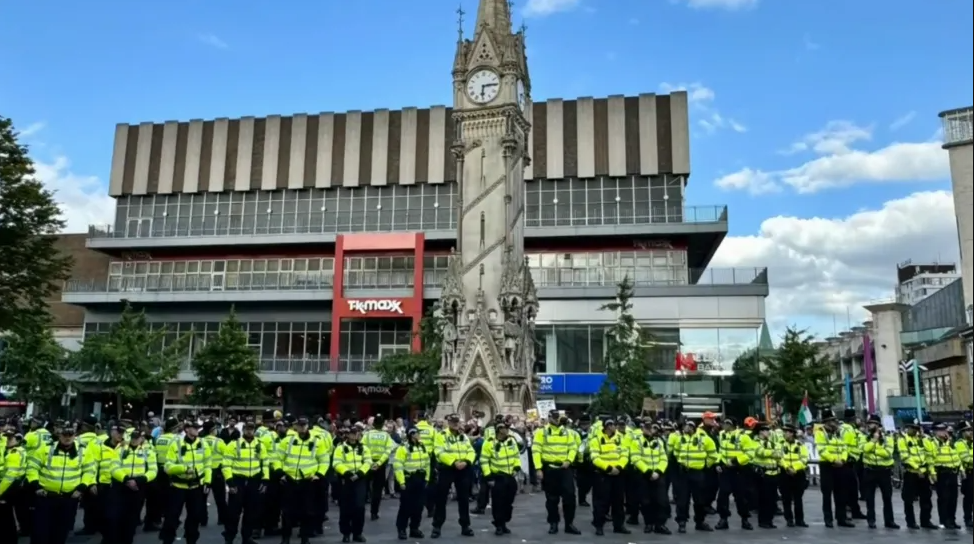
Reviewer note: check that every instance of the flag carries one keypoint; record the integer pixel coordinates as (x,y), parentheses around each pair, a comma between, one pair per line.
(805,414)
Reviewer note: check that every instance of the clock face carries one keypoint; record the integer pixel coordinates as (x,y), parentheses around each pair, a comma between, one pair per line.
(522,97)
(483,86)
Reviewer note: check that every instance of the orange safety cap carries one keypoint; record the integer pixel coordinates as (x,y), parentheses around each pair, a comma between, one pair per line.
(750,422)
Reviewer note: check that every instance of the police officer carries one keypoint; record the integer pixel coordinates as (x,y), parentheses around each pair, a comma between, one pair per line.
(302,460)
(648,455)
(946,464)
(854,441)
(13,471)
(412,472)
(916,480)
(134,470)
(155,500)
(380,445)
(218,486)
(833,471)
(878,460)
(694,452)
(353,464)
(427,435)
(454,456)
(766,459)
(964,449)
(246,471)
(323,434)
(500,461)
(187,463)
(735,476)
(610,457)
(86,437)
(793,479)
(59,476)
(553,451)
(582,465)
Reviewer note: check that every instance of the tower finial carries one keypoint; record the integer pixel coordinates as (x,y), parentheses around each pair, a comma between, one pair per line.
(495,15)
(460,14)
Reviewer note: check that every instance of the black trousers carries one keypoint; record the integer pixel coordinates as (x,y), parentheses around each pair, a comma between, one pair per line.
(583,480)
(298,508)
(483,494)
(558,485)
(432,489)
(608,500)
(852,489)
(503,491)
(412,499)
(92,519)
(633,485)
(460,480)
(654,502)
(243,503)
(734,481)
(947,492)
(792,488)
(320,489)
(690,485)
(177,499)
(833,489)
(53,517)
(156,498)
(966,490)
(219,491)
(916,488)
(123,508)
(7,519)
(351,506)
(272,506)
(880,478)
(377,484)
(767,498)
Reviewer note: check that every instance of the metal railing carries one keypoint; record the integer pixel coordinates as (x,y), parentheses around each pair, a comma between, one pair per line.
(195,283)
(357,364)
(549,217)
(565,277)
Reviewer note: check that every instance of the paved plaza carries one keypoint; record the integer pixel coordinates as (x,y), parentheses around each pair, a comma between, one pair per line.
(529,527)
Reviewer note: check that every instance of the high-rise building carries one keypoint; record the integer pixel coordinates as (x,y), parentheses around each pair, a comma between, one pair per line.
(332,234)
(915,282)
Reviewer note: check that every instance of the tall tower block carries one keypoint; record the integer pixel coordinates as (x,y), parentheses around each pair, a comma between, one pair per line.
(489,301)
(959,143)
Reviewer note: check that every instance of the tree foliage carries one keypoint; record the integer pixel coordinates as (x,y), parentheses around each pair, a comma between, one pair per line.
(792,371)
(31,267)
(31,362)
(417,370)
(134,358)
(227,369)
(628,351)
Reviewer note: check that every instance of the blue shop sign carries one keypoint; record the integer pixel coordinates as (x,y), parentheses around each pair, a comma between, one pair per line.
(570,384)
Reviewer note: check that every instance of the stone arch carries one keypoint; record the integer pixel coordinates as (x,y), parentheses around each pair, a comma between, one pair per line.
(527,399)
(478,396)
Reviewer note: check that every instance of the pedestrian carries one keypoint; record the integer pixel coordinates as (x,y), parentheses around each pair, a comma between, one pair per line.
(246,471)
(794,477)
(554,449)
(302,460)
(188,466)
(60,476)
(412,471)
(500,461)
(454,457)
(353,464)
(135,468)
(610,457)
(878,460)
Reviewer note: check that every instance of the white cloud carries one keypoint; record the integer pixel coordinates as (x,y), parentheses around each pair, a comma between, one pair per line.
(754,182)
(840,164)
(823,267)
(213,41)
(702,99)
(83,200)
(32,130)
(902,121)
(730,5)
(541,8)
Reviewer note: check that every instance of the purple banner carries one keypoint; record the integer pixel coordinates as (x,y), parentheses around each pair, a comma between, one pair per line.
(868,366)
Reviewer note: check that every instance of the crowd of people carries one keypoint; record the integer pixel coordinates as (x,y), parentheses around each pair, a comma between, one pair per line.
(278,475)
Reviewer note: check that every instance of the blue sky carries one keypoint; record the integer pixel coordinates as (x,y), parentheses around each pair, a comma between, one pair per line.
(816,122)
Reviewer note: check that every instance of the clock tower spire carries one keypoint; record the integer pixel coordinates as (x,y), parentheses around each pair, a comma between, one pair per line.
(488,300)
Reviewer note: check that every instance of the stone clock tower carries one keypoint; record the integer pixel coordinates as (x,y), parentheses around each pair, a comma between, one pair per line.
(489,302)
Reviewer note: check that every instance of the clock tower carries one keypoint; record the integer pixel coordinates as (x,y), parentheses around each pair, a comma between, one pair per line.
(489,303)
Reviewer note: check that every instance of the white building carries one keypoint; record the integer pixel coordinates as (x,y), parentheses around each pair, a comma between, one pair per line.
(916,282)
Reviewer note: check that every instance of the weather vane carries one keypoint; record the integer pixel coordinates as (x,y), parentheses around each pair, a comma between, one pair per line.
(460,14)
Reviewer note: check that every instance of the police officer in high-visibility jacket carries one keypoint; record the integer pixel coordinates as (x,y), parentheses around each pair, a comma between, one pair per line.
(500,461)
(766,458)
(967,463)
(218,486)
(37,436)
(610,457)
(302,460)
(946,465)
(916,477)
(554,450)
(694,451)
(878,460)
(321,432)
(134,470)
(380,445)
(12,473)
(735,478)
(412,471)
(647,453)
(59,474)
(188,466)
(454,457)
(87,436)
(793,479)
(427,435)
(833,456)
(246,470)
(155,500)
(854,441)
(104,457)
(352,464)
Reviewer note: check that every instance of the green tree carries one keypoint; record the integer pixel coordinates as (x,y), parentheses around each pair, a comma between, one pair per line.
(31,267)
(31,362)
(628,353)
(792,371)
(133,358)
(227,369)
(417,370)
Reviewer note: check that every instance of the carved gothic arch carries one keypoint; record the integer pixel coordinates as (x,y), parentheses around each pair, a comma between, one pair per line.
(527,399)
(478,396)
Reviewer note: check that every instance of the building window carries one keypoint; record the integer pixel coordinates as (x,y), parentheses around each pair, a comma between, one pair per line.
(222,275)
(646,267)
(604,201)
(364,341)
(379,272)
